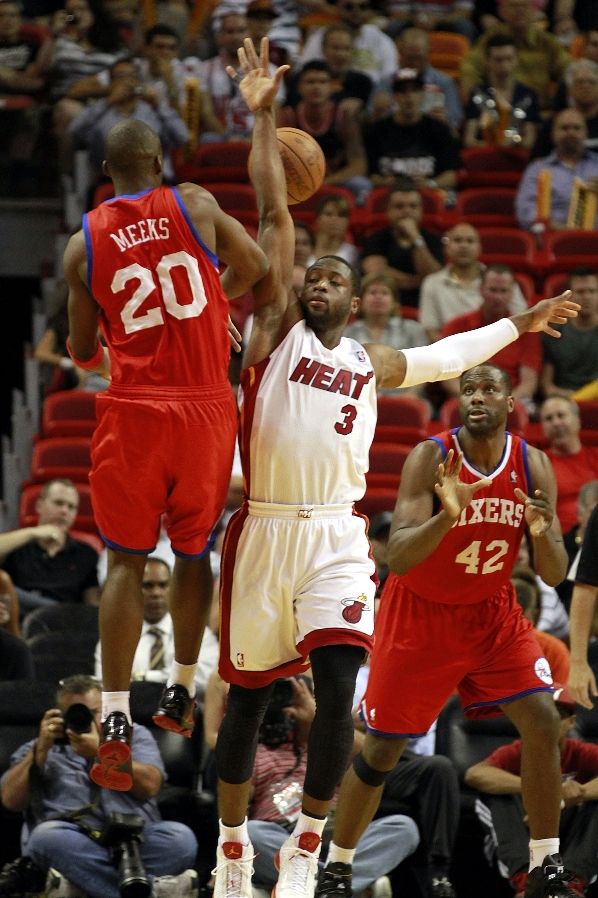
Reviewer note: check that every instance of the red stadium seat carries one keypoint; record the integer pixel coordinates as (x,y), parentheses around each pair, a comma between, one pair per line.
(92,539)
(517,421)
(101,193)
(236,199)
(492,166)
(555,283)
(386,464)
(487,207)
(526,283)
(447,51)
(28,516)
(401,419)
(375,500)
(569,249)
(588,413)
(67,457)
(69,413)
(509,247)
(222,161)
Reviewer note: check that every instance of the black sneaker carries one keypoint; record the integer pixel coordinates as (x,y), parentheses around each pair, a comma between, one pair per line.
(176,711)
(442,887)
(551,880)
(335,879)
(113,768)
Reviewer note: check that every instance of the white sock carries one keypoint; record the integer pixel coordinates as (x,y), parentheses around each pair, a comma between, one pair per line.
(115,701)
(338,855)
(539,848)
(234,833)
(307,824)
(183,675)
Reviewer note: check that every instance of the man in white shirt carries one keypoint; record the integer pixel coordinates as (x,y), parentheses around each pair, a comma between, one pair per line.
(155,650)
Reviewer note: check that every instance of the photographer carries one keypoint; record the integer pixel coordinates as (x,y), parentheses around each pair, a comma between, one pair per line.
(277,784)
(103,841)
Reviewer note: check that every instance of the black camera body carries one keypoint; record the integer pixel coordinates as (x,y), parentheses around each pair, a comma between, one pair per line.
(77,718)
(122,835)
(277,725)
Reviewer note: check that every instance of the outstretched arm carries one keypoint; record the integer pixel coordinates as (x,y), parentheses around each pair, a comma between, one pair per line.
(451,356)
(276,237)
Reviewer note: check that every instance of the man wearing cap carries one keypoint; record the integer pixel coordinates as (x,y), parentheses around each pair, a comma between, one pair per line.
(409,142)
(499,777)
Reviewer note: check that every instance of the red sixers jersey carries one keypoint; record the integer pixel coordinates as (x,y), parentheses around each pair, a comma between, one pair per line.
(477,555)
(163,312)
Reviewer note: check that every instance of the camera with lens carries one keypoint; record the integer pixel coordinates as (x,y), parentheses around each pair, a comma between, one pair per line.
(71,19)
(122,835)
(277,724)
(77,718)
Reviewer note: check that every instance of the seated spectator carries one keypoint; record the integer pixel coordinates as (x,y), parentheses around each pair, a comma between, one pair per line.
(520,360)
(374,52)
(331,226)
(587,499)
(155,652)
(553,617)
(16,661)
(127,98)
(48,781)
(404,249)
(498,778)
(455,289)
(305,243)
(574,464)
(50,351)
(581,80)
(541,58)
(572,362)
(332,124)
(501,111)
(409,142)
(568,161)
(280,765)
(441,97)
(84,43)
(347,82)
(452,15)
(528,595)
(380,321)
(45,564)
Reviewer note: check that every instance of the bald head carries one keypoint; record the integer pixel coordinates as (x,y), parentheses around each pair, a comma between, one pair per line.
(132,149)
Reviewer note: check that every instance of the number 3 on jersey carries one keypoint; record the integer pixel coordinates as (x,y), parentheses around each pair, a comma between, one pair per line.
(153,317)
(346,425)
(471,556)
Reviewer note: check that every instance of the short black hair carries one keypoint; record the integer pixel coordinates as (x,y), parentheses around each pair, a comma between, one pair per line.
(403,184)
(355,278)
(505,377)
(314,65)
(161,31)
(582,271)
(499,40)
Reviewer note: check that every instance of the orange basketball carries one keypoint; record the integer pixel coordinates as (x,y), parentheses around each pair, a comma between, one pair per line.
(304,163)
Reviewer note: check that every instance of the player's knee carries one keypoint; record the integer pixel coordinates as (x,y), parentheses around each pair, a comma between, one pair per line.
(367,774)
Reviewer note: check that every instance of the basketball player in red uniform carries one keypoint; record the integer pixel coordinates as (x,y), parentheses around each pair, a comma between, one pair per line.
(449,618)
(145,268)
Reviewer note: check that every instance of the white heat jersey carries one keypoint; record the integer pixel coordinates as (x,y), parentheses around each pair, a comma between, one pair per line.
(308,415)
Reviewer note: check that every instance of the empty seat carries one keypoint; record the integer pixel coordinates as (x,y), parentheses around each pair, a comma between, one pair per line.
(487,207)
(222,161)
(492,166)
(59,655)
(386,464)
(62,618)
(401,419)
(69,413)
(569,249)
(506,246)
(377,499)
(516,422)
(447,51)
(236,199)
(588,413)
(67,457)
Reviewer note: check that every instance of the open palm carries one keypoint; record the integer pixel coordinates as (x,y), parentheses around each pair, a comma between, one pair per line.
(454,494)
(258,87)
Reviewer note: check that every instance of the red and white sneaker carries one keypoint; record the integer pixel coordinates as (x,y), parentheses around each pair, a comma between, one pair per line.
(233,871)
(297,863)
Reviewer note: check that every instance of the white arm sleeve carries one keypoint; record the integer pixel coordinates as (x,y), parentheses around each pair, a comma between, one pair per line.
(453,355)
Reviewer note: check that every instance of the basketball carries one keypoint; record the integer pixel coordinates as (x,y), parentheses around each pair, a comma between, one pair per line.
(304,163)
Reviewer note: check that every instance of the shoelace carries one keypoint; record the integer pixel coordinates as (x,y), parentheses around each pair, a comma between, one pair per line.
(235,869)
(300,872)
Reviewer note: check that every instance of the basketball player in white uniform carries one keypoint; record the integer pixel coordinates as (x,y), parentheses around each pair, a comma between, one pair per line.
(296,581)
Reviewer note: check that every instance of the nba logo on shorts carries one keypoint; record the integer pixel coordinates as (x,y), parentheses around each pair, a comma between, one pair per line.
(240,659)
(543,672)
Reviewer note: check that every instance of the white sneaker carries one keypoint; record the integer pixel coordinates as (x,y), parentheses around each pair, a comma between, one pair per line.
(185,885)
(57,886)
(233,870)
(297,862)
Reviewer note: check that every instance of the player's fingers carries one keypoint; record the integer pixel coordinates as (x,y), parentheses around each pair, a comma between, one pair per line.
(252,56)
(242,57)
(520,494)
(458,464)
(448,460)
(480,484)
(264,53)
(280,73)
(440,475)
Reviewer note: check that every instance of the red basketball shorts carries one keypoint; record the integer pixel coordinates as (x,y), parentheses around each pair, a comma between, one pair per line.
(170,457)
(424,651)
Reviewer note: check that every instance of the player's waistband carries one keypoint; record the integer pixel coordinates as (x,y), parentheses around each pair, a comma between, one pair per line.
(148,391)
(306,512)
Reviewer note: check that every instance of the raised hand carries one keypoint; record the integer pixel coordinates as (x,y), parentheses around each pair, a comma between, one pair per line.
(452,492)
(258,87)
(552,311)
(538,512)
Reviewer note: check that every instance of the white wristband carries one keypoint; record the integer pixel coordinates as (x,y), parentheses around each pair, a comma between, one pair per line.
(453,355)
